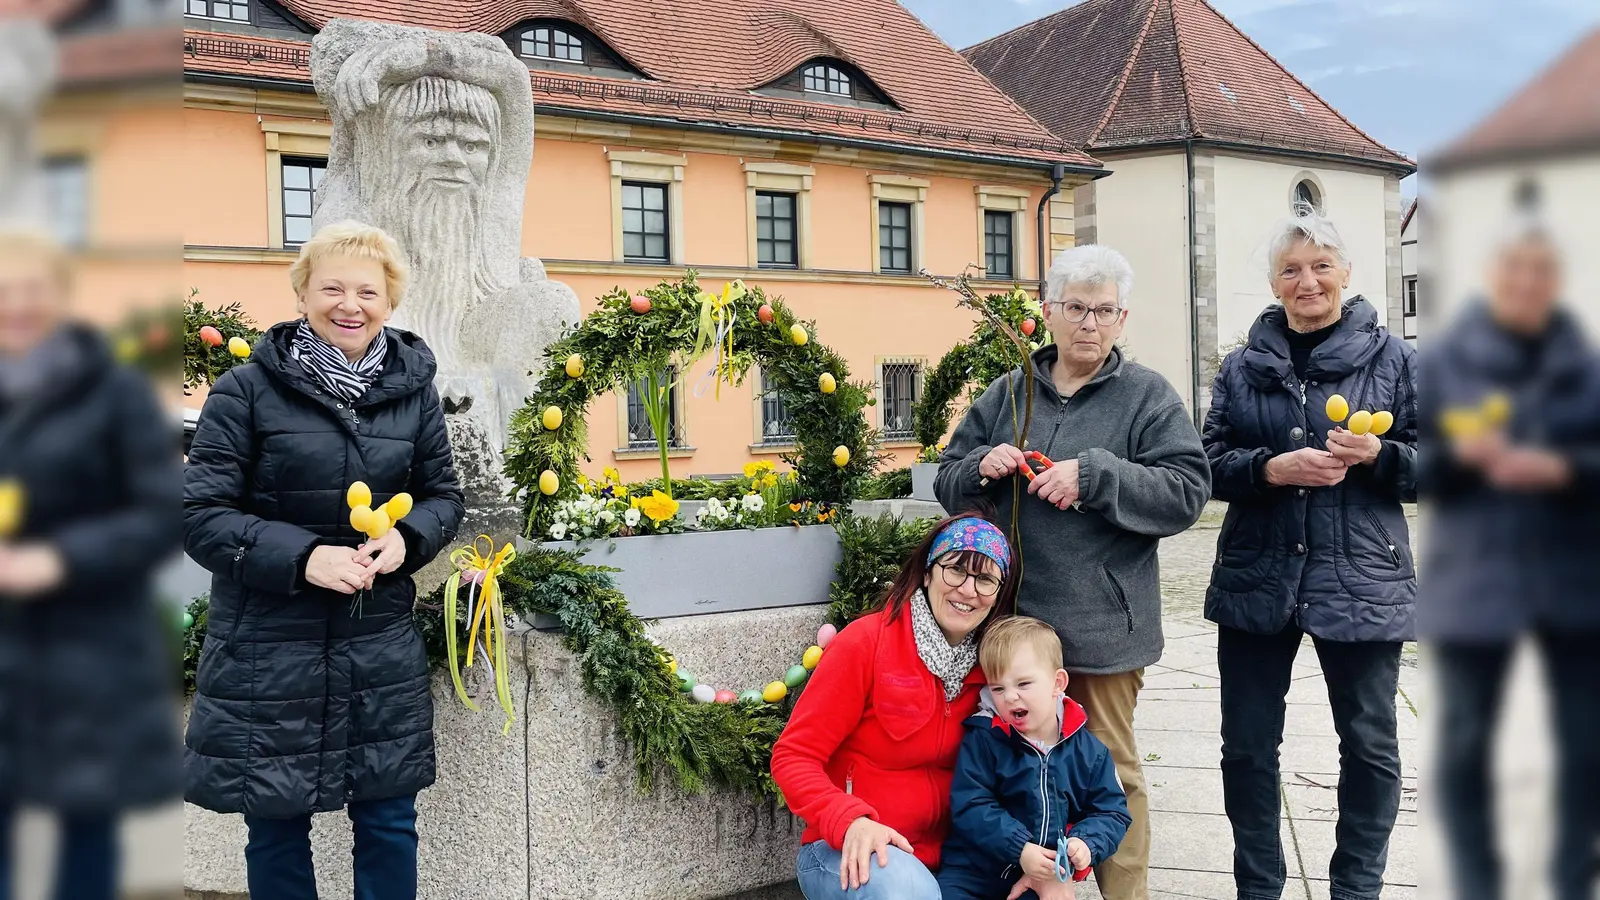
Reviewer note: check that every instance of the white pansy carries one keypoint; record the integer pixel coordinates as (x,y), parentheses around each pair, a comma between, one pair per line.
(558,531)
(607,516)
(753,503)
(631,517)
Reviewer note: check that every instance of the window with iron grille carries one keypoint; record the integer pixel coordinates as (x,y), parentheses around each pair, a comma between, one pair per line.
(823,79)
(644,222)
(1408,307)
(776,425)
(552,43)
(997,244)
(301,178)
(232,10)
(1307,198)
(899,388)
(775,231)
(894,237)
(641,436)
(66,190)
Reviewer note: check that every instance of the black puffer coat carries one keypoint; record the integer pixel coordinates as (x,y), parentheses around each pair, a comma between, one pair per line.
(1500,563)
(301,706)
(1337,560)
(88,691)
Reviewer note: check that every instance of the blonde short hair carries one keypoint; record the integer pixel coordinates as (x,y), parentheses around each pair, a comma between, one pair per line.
(1006,637)
(351,238)
(36,244)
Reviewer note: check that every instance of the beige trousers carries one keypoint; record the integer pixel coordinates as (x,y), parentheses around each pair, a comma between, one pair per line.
(1109,700)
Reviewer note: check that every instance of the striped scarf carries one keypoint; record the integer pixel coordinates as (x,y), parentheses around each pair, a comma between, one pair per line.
(328,365)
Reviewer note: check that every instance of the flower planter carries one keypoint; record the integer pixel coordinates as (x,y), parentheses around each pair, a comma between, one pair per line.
(922,475)
(700,572)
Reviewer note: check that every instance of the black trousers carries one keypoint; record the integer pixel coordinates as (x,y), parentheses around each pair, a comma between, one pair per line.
(1362,679)
(1472,680)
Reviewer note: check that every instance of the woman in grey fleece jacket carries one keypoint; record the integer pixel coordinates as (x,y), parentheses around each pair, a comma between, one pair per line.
(1129,470)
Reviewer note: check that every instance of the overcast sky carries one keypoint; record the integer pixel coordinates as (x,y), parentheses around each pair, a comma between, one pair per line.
(1412,73)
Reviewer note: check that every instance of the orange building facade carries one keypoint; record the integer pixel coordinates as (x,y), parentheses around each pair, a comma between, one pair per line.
(819,217)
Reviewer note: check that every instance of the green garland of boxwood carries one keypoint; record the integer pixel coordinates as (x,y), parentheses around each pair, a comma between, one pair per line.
(618,345)
(699,744)
(978,361)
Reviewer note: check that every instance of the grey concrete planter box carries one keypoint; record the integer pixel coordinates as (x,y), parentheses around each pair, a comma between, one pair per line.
(922,475)
(700,572)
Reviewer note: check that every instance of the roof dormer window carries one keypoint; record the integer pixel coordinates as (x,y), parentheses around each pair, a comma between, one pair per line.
(822,78)
(547,42)
(226,10)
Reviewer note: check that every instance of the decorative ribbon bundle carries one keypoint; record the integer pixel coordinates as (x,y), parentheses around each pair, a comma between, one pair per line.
(482,570)
(716,329)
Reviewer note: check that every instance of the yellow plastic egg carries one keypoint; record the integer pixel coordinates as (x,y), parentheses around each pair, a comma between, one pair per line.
(574,366)
(358,495)
(548,483)
(826,384)
(797,333)
(1338,408)
(239,347)
(841,456)
(1382,421)
(812,657)
(552,418)
(1360,422)
(398,507)
(361,519)
(672,666)
(1496,409)
(10,507)
(380,524)
(774,692)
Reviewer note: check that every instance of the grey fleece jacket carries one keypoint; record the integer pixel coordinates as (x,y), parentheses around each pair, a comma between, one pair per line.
(1142,475)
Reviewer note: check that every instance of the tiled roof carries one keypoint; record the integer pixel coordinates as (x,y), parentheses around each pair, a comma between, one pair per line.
(118,56)
(1116,74)
(704,59)
(1558,112)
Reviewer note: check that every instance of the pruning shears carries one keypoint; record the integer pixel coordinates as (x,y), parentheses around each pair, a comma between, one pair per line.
(1038,463)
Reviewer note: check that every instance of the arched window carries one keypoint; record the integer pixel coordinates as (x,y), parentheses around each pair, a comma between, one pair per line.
(1307,197)
(825,79)
(547,42)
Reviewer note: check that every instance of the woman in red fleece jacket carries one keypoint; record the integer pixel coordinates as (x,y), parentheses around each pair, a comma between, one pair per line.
(868,754)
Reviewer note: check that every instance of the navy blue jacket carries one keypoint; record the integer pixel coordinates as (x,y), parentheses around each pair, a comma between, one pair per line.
(1336,561)
(1007,793)
(1500,563)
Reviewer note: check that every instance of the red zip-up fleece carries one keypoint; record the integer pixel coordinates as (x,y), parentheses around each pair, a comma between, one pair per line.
(872,735)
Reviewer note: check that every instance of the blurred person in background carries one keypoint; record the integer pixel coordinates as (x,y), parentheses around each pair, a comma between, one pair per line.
(1315,542)
(1513,536)
(89,475)
(312,692)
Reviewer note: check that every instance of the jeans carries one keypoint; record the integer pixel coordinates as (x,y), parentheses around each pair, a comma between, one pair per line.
(86,865)
(905,878)
(1362,680)
(1472,683)
(278,853)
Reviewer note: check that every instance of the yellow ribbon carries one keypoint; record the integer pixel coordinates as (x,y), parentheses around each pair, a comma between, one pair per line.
(716,330)
(490,614)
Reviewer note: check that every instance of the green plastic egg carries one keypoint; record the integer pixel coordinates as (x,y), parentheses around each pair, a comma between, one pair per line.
(685,680)
(795,677)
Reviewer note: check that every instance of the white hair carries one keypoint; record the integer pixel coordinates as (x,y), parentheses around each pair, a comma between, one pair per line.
(1090,265)
(1308,225)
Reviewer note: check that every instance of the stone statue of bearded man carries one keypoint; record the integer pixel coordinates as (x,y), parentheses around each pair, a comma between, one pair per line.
(432,141)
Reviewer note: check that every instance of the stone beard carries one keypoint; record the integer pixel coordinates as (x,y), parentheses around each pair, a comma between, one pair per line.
(430,196)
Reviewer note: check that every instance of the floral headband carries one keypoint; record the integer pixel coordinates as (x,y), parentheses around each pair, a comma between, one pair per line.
(973,534)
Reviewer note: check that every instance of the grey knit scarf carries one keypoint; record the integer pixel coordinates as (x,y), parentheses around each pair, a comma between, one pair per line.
(950,665)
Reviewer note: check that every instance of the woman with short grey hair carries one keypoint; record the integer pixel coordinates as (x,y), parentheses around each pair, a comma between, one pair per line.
(1316,543)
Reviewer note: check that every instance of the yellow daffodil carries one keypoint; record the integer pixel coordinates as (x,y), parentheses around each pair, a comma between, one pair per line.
(658,506)
(751,468)
(611,474)
(769,481)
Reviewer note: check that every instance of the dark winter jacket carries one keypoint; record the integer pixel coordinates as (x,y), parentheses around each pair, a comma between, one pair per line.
(1008,793)
(301,705)
(88,691)
(1091,571)
(1335,560)
(1499,563)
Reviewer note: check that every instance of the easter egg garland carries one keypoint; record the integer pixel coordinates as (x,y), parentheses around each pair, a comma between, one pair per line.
(772,692)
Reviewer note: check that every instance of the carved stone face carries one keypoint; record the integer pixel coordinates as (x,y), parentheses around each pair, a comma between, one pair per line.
(448,153)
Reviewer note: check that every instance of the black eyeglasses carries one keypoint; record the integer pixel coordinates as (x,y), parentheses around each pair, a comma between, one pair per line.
(1077,312)
(987,585)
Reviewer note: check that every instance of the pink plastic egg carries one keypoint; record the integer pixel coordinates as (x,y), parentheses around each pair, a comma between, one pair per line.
(825,635)
(726,696)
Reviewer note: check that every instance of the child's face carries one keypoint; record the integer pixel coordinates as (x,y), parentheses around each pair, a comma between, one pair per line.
(1025,694)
